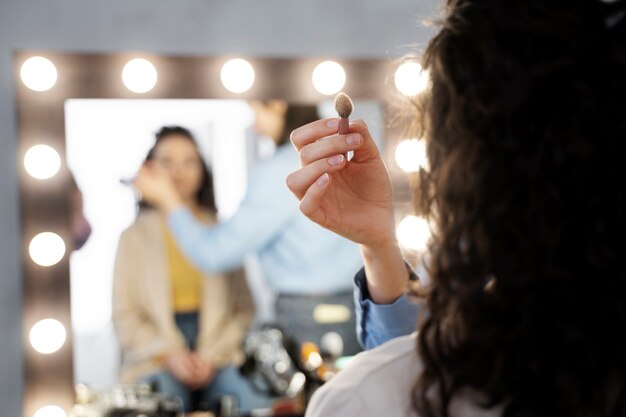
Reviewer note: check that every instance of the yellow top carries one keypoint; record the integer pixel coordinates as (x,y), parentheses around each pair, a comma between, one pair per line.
(185,279)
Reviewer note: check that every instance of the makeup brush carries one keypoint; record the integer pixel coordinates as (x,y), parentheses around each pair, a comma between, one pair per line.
(344,107)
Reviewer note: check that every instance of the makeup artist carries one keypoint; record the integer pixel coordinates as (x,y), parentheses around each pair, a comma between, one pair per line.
(309,269)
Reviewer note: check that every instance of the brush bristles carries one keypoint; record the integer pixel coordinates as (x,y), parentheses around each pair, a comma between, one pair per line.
(343,105)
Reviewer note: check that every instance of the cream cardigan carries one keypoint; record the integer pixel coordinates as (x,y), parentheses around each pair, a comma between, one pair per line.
(142,312)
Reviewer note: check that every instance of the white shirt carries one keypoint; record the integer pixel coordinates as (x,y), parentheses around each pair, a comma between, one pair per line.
(379,383)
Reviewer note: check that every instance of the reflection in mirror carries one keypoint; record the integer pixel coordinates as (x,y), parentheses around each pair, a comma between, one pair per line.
(106,141)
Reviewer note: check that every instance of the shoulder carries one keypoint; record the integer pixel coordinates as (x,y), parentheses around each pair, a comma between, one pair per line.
(144,225)
(377,381)
(145,218)
(396,352)
(381,382)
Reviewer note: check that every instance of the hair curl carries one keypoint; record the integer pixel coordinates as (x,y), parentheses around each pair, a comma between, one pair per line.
(524,120)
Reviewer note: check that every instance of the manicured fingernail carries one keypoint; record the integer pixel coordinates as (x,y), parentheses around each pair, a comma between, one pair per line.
(354,140)
(333,123)
(322,180)
(336,160)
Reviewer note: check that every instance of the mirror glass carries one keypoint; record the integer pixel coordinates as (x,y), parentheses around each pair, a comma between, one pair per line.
(107,141)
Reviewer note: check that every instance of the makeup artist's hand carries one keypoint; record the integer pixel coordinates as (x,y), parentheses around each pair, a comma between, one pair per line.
(352,198)
(157,188)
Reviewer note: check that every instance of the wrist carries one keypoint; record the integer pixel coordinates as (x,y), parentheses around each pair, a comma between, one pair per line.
(170,204)
(385,270)
(385,247)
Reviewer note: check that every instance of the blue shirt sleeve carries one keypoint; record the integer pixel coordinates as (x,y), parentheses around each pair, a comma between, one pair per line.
(378,323)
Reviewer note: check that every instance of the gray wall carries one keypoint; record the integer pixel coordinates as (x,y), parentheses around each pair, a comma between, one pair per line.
(342,28)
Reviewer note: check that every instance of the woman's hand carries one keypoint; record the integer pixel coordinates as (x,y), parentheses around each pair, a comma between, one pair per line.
(181,365)
(204,372)
(351,198)
(190,369)
(157,188)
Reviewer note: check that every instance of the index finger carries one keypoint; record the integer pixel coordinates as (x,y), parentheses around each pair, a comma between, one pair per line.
(313,131)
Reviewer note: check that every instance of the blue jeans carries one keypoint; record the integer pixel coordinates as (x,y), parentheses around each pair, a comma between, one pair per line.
(228,380)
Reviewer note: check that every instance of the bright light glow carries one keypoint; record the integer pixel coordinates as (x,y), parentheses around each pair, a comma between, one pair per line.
(237,75)
(411,155)
(413,233)
(38,73)
(411,79)
(47,336)
(329,78)
(50,411)
(139,75)
(332,343)
(46,249)
(42,162)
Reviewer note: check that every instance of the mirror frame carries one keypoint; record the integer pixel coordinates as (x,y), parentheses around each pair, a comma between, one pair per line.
(45,204)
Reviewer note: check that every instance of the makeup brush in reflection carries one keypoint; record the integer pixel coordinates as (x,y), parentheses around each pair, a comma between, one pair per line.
(129,183)
(344,107)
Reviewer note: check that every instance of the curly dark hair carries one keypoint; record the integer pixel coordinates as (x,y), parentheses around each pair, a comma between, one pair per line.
(523,119)
(205,196)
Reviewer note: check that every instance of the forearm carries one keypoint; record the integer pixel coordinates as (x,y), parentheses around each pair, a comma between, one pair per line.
(386,272)
(170,204)
(378,323)
(212,249)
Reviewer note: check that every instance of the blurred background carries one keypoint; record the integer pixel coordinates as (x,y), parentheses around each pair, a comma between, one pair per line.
(349,29)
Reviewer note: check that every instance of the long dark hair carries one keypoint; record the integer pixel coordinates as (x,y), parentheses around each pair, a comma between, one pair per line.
(525,120)
(205,196)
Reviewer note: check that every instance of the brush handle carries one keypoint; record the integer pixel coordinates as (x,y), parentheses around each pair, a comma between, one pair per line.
(344,126)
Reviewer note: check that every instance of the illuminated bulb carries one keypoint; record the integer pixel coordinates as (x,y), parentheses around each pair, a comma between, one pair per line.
(42,162)
(413,233)
(411,155)
(38,73)
(47,336)
(237,75)
(50,411)
(310,356)
(411,79)
(329,78)
(139,75)
(46,249)
(332,344)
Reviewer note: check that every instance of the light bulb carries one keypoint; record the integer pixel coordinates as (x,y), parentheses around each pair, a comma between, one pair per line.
(139,75)
(38,73)
(50,411)
(237,75)
(411,79)
(413,233)
(46,249)
(328,77)
(42,162)
(47,336)
(411,155)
